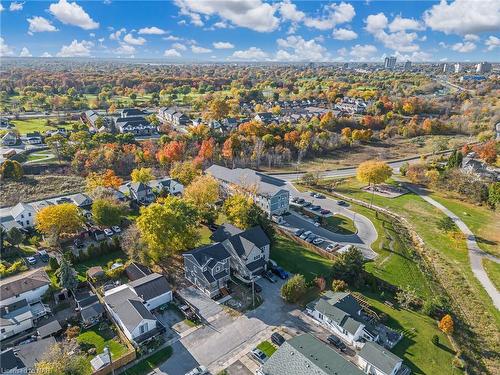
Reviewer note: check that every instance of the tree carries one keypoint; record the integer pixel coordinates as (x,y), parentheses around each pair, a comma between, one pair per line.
(417,173)
(203,192)
(446,224)
(310,179)
(168,226)
(14,237)
(339,286)
(446,324)
(143,175)
(404,168)
(185,172)
(348,266)
(435,340)
(53,264)
(67,275)
(108,179)
(236,208)
(206,151)
(170,152)
(11,169)
(455,159)
(133,245)
(294,288)
(58,220)
(494,194)
(106,212)
(407,297)
(487,151)
(373,172)
(218,108)
(59,361)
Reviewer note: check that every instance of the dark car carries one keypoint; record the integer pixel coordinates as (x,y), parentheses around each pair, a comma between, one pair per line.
(268,275)
(277,339)
(300,200)
(320,196)
(295,199)
(325,212)
(78,243)
(298,232)
(315,208)
(280,272)
(342,203)
(306,204)
(257,287)
(335,341)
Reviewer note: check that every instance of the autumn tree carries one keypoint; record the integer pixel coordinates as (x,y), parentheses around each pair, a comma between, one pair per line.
(107,212)
(185,172)
(203,192)
(373,172)
(143,175)
(107,179)
(168,226)
(133,245)
(294,288)
(11,169)
(206,151)
(58,360)
(348,266)
(170,152)
(417,173)
(59,220)
(236,208)
(217,109)
(446,324)
(487,151)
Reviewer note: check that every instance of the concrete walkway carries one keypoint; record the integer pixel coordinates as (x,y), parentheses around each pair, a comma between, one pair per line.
(476,255)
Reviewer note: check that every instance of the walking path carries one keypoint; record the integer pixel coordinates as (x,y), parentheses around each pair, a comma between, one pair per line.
(476,255)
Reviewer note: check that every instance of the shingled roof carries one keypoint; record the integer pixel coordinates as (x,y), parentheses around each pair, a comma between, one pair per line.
(23,282)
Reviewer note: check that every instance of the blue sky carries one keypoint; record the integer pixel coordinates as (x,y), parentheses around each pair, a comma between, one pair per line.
(254,30)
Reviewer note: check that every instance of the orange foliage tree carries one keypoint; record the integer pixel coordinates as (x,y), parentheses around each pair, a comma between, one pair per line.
(446,324)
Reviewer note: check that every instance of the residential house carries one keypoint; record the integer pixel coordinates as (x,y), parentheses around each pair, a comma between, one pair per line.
(166,185)
(9,139)
(89,307)
(472,165)
(342,314)
(21,359)
(132,112)
(34,138)
(307,355)
(136,271)
(138,192)
(15,318)
(30,286)
(264,117)
(89,118)
(269,193)
(173,116)
(130,306)
(374,359)
(208,268)
(82,200)
(136,125)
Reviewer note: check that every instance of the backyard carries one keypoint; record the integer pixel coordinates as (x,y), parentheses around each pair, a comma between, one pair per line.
(102,260)
(267,348)
(97,338)
(150,363)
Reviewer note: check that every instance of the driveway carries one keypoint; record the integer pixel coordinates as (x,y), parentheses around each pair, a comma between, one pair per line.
(204,306)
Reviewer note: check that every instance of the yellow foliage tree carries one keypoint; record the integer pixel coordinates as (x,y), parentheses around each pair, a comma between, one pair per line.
(203,192)
(107,179)
(58,220)
(446,324)
(373,172)
(143,175)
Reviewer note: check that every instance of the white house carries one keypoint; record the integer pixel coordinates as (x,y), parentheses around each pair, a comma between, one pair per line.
(342,314)
(166,185)
(15,318)
(30,285)
(24,214)
(131,304)
(374,359)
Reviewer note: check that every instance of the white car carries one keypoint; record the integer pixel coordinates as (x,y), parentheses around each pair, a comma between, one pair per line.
(318,241)
(317,224)
(332,247)
(31,260)
(116,229)
(108,232)
(200,370)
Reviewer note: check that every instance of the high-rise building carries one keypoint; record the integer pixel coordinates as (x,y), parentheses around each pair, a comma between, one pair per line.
(346,66)
(408,65)
(446,68)
(483,67)
(458,68)
(390,62)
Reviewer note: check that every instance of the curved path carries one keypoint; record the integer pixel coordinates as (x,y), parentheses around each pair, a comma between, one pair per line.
(476,255)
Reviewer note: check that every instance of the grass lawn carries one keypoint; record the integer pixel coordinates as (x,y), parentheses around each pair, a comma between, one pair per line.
(493,271)
(267,348)
(297,259)
(37,124)
(82,267)
(148,364)
(101,339)
(340,224)
(205,234)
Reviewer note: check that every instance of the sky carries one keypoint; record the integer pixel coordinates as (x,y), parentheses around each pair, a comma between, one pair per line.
(253,30)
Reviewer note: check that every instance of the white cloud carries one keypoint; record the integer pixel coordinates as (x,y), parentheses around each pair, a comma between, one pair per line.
(171,38)
(402,24)
(336,14)
(117,34)
(130,39)
(46,54)
(252,14)
(14,7)
(342,51)
(415,56)
(464,16)
(253,53)
(399,40)
(376,23)
(463,47)
(290,12)
(223,45)
(5,50)
(363,52)
(198,49)
(1,7)
(25,53)
(39,24)
(72,14)
(471,38)
(220,25)
(125,49)
(296,48)
(344,34)
(492,42)
(76,49)
(171,53)
(179,46)
(152,31)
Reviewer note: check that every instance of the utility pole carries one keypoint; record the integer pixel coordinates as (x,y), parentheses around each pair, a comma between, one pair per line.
(106,350)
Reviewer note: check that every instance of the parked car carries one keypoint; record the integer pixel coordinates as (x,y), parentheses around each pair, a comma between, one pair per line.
(268,275)
(317,224)
(116,229)
(306,204)
(305,234)
(31,260)
(320,196)
(187,312)
(332,247)
(295,199)
(342,203)
(200,370)
(108,232)
(278,219)
(318,241)
(325,212)
(298,232)
(257,287)
(335,341)
(277,339)
(300,200)
(315,208)
(280,272)
(78,243)
(311,238)
(312,194)
(44,256)
(259,355)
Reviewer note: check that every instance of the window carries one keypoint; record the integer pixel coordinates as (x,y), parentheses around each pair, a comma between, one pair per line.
(143,328)
(320,316)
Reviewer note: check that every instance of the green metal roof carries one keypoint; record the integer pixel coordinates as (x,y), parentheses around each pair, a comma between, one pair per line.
(379,357)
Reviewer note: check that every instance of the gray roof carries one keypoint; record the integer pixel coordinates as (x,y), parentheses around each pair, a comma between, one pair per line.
(10,360)
(80,199)
(23,282)
(205,254)
(135,271)
(224,231)
(248,179)
(32,352)
(129,308)
(150,286)
(306,355)
(91,311)
(379,357)
(49,329)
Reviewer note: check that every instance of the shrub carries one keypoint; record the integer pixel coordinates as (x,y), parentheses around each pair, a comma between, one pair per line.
(7,269)
(294,288)
(53,263)
(435,340)
(458,363)
(339,285)
(72,332)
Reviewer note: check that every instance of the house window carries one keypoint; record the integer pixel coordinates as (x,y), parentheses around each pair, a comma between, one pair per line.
(320,316)
(143,328)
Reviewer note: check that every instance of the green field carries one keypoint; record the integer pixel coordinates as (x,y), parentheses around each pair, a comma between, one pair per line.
(340,224)
(82,267)
(493,271)
(267,348)
(100,339)
(37,124)
(150,363)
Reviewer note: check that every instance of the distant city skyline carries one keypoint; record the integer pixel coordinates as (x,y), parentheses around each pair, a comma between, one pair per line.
(254,30)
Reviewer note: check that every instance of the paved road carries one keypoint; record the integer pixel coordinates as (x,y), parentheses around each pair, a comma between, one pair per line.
(476,255)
